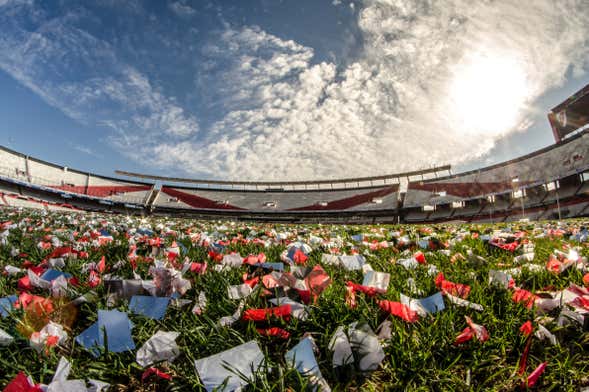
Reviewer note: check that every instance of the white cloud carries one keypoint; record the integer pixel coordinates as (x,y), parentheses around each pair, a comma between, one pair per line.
(392,109)
(280,115)
(15,2)
(181,9)
(86,150)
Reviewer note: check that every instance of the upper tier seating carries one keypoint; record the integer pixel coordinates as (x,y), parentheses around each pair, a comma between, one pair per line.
(558,161)
(311,200)
(41,174)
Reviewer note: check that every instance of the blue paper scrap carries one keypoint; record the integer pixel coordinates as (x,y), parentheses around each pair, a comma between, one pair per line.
(152,307)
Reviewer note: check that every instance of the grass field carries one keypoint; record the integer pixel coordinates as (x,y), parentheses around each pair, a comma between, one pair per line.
(418,356)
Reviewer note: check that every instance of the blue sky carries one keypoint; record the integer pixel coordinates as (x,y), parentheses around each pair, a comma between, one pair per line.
(285,89)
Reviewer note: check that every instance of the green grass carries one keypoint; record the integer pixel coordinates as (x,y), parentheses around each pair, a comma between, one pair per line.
(419,356)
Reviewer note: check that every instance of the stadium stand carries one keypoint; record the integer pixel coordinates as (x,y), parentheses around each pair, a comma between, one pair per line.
(40,175)
(310,200)
(550,183)
(569,157)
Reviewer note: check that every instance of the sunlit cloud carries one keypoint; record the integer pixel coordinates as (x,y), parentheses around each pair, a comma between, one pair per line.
(487,93)
(434,83)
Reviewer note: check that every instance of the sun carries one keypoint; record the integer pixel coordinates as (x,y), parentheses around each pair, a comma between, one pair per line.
(487,93)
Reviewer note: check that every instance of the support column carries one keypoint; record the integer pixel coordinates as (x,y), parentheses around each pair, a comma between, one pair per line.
(27,171)
(87,183)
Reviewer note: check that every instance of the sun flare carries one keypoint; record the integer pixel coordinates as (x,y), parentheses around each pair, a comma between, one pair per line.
(487,94)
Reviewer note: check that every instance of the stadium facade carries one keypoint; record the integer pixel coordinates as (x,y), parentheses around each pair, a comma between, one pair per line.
(551,183)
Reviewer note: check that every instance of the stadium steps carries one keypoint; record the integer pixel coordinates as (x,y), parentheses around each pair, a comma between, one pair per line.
(584,210)
(583,189)
(152,198)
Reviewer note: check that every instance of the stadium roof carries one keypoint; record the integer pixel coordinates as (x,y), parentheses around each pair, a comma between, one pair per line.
(396,176)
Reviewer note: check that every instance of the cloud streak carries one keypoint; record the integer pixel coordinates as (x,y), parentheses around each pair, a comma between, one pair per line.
(82,76)
(86,150)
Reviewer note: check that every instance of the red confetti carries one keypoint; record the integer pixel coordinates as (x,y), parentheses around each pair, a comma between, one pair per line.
(455,289)
(21,383)
(535,375)
(526,329)
(586,280)
(351,297)
(24,283)
(317,281)
(480,331)
(466,335)
(300,257)
(198,268)
(94,279)
(370,291)
(102,265)
(420,257)
(398,309)
(274,332)
(524,359)
(282,312)
(155,371)
(521,295)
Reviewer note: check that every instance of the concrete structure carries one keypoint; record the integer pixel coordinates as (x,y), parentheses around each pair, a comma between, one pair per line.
(546,184)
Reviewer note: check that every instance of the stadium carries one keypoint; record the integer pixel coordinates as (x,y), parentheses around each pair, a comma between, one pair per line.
(550,183)
(294,195)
